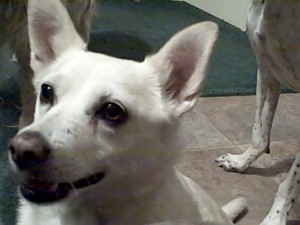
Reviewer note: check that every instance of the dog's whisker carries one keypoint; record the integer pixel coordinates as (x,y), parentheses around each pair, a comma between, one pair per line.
(74,189)
(9,126)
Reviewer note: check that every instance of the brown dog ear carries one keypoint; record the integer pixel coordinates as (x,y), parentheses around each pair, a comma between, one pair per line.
(182,62)
(51,31)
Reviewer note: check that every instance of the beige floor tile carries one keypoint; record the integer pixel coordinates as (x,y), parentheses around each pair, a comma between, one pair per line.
(234,117)
(223,186)
(215,126)
(198,132)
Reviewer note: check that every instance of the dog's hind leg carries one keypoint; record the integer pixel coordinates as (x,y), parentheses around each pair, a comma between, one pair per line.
(286,194)
(19,41)
(267,95)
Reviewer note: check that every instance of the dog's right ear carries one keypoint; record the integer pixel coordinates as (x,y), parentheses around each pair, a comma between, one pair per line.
(51,32)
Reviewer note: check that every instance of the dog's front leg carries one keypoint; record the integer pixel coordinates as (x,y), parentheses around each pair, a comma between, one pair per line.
(267,94)
(285,197)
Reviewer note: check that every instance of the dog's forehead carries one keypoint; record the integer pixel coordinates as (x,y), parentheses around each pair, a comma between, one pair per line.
(104,76)
(92,78)
(101,70)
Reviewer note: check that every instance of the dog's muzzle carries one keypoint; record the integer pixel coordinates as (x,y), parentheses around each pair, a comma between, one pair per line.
(30,151)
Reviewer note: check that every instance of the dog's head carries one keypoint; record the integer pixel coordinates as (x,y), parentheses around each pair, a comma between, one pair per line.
(101,121)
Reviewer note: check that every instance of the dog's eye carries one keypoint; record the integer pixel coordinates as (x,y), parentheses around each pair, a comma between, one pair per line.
(47,94)
(113,113)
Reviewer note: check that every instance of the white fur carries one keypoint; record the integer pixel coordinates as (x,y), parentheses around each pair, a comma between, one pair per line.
(141,184)
(273,28)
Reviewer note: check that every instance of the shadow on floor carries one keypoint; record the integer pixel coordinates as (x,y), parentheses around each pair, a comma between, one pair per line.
(293,222)
(277,168)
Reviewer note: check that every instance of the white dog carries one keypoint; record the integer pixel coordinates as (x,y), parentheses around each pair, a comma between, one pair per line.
(274,32)
(104,140)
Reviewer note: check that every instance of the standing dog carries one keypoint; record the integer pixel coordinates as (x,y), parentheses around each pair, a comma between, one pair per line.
(14,30)
(104,140)
(274,32)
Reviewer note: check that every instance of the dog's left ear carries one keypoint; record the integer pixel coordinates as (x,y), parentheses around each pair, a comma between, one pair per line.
(181,64)
(51,32)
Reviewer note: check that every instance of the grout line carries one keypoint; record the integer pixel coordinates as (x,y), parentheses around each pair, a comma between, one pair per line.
(221,132)
(211,148)
(231,146)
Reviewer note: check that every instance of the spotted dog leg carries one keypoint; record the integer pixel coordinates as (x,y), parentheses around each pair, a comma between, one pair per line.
(286,194)
(267,94)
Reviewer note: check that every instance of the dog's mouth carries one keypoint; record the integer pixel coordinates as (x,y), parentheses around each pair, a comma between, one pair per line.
(40,192)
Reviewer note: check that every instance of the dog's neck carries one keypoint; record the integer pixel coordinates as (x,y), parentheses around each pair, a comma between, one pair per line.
(121,201)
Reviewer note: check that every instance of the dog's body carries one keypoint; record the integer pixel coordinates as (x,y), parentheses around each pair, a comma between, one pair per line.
(14,30)
(273,29)
(104,140)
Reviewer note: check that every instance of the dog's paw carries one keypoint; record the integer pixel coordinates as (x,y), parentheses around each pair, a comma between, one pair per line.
(231,163)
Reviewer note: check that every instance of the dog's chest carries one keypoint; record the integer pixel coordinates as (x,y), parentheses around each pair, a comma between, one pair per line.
(56,215)
(274,33)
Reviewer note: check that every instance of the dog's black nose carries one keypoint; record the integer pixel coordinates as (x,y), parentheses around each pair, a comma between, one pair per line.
(29,149)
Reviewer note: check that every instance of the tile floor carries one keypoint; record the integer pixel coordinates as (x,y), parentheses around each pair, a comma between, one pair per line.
(224,124)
